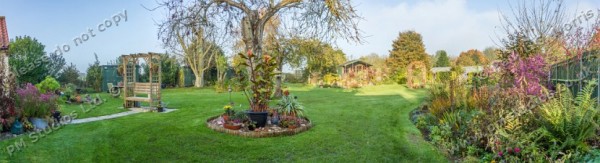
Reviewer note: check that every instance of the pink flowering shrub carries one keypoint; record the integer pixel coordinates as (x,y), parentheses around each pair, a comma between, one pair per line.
(34,103)
(525,74)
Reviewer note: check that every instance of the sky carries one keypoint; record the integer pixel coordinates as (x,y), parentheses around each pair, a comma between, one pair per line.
(451,25)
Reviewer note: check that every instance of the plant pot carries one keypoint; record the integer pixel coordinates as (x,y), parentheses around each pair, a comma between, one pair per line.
(225,117)
(39,123)
(259,117)
(291,127)
(232,127)
(275,120)
(17,128)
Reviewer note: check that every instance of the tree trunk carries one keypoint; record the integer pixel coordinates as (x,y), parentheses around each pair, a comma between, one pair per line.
(199,80)
(279,79)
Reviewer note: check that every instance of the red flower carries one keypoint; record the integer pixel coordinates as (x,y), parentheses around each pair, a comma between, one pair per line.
(517,149)
(250,55)
(509,150)
(286,93)
(267,58)
(500,154)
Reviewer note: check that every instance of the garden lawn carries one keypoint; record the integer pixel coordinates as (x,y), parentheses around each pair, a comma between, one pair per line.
(110,106)
(364,125)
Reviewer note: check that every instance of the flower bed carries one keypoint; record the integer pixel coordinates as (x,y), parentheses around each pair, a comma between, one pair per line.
(216,123)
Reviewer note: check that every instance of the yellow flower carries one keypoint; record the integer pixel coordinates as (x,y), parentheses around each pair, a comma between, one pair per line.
(227,107)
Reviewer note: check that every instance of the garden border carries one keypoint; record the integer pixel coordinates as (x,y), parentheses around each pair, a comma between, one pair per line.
(287,132)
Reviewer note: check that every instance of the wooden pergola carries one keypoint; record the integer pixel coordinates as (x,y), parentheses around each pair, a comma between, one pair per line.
(135,91)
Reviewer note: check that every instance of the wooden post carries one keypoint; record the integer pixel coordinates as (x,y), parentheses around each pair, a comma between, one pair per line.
(124,60)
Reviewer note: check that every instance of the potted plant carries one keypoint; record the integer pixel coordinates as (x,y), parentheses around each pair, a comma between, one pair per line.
(228,112)
(160,108)
(35,105)
(236,121)
(261,72)
(288,122)
(289,105)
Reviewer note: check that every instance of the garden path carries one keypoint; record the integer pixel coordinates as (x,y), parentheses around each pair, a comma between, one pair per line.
(92,119)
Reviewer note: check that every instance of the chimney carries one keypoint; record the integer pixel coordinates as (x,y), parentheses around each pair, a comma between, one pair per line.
(3,34)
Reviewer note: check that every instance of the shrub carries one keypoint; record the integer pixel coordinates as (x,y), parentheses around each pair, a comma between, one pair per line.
(48,85)
(571,121)
(34,103)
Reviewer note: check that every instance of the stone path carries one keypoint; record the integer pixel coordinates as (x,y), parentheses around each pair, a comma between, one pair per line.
(92,119)
(122,114)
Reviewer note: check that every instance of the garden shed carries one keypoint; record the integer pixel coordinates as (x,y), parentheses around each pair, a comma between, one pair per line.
(355,73)
(110,75)
(577,71)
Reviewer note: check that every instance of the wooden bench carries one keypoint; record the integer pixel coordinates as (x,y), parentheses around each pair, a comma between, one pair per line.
(142,88)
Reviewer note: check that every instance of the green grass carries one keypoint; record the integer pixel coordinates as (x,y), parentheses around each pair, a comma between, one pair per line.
(111,106)
(363,125)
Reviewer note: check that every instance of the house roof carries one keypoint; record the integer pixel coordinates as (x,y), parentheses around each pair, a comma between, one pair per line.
(468,69)
(3,34)
(353,62)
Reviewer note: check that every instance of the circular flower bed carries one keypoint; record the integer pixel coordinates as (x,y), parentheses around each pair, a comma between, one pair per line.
(217,123)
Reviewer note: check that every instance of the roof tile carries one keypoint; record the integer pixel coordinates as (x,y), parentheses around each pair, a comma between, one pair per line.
(3,34)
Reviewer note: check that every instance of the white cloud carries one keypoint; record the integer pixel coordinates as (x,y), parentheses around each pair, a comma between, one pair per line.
(444,24)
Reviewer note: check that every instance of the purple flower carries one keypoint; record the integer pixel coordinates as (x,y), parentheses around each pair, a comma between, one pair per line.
(500,154)
(517,149)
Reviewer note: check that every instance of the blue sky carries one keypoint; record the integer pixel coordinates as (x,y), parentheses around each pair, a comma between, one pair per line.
(451,25)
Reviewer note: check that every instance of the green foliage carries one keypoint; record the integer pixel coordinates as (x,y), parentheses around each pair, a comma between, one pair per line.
(70,75)
(170,70)
(94,76)
(56,63)
(571,121)
(407,48)
(442,59)
(48,85)
(288,105)
(491,53)
(260,77)
(28,59)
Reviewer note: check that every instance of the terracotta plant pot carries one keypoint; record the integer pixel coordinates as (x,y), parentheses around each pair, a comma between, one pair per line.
(232,127)
(225,117)
(292,127)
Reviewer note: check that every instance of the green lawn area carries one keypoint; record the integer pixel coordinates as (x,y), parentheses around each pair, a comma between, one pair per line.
(111,106)
(365,125)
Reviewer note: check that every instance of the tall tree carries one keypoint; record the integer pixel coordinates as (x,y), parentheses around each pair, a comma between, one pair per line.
(442,59)
(28,59)
(323,19)
(491,53)
(471,57)
(375,59)
(170,70)
(94,75)
(534,27)
(56,63)
(407,48)
(69,75)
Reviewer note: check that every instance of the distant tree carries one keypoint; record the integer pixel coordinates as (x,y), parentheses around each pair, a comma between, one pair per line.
(170,70)
(69,75)
(407,48)
(56,63)
(442,59)
(472,57)
(94,75)
(376,60)
(28,60)
(491,53)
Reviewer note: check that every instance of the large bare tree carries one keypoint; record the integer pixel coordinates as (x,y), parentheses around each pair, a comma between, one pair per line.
(324,19)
